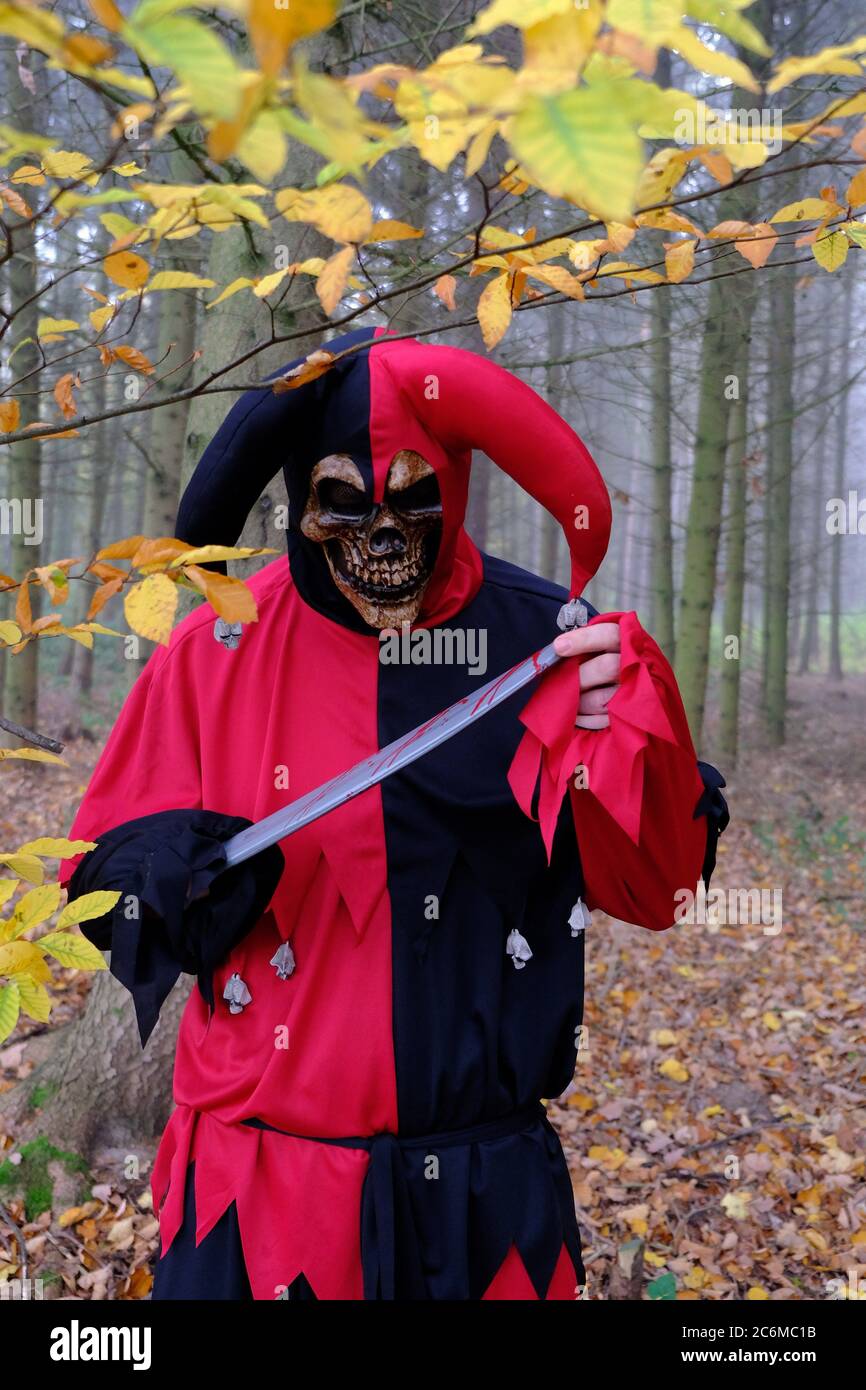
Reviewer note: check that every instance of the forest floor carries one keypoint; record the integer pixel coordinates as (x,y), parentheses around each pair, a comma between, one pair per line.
(718,1111)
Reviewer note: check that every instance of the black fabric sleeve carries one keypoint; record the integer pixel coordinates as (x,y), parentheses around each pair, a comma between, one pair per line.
(180,909)
(714,806)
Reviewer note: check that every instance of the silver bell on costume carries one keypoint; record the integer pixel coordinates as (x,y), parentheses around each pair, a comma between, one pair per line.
(283,961)
(228,634)
(517,947)
(236,994)
(580,917)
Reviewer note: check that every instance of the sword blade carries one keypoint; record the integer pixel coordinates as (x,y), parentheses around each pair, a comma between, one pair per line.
(388,760)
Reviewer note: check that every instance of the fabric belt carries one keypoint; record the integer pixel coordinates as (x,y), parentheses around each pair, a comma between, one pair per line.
(389,1247)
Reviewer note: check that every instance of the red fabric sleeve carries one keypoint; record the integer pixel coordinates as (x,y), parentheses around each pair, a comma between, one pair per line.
(151,761)
(638,837)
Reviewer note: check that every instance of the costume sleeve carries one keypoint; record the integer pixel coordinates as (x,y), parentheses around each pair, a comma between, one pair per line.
(646,813)
(179,908)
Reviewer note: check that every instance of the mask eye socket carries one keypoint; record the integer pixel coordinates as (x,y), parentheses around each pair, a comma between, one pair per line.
(342,499)
(418,499)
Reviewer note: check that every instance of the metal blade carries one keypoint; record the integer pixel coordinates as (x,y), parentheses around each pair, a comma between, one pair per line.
(386,761)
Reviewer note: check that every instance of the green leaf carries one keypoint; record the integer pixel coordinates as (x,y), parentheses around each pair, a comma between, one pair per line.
(201,61)
(73,950)
(582,145)
(10,1007)
(665,1287)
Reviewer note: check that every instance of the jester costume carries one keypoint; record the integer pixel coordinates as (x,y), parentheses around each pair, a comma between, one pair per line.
(382,1001)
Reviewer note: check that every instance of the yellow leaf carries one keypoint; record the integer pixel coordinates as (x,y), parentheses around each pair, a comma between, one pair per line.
(713,1110)
(27,866)
(269,283)
(10,416)
(653,1259)
(830,60)
(680,261)
(86,909)
(10,633)
(242,283)
(30,755)
(664,1037)
(520,13)
(757,1294)
(661,176)
(66,164)
(831,251)
(771,1021)
(35,907)
(127,269)
(100,317)
(339,211)
(673,1069)
(334,278)
(34,997)
(229,598)
(7,888)
(804,210)
(150,607)
(179,280)
(581,1102)
(494,309)
(206,554)
(23,958)
(48,325)
(736,1205)
(57,848)
(389,230)
(72,949)
(10,1007)
(558,278)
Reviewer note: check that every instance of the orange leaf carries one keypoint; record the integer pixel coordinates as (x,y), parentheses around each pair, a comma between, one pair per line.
(23,610)
(445,289)
(312,367)
(121,550)
(102,595)
(64,397)
(135,359)
(494,309)
(14,200)
(10,416)
(127,269)
(229,598)
(108,14)
(759,246)
(679,260)
(856,194)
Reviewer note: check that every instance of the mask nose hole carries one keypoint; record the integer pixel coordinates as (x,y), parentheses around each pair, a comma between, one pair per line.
(386,540)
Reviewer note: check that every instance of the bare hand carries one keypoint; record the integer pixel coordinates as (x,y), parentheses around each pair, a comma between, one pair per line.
(599,674)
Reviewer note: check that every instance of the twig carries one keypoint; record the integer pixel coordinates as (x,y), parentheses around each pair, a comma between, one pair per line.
(51,745)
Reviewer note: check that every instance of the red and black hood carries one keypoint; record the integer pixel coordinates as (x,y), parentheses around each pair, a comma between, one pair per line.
(441,402)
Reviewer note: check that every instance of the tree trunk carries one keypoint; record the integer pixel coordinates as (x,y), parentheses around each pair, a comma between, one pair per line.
(779,504)
(24,489)
(836,670)
(735,577)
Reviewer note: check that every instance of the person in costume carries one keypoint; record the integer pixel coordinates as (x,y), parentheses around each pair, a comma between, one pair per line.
(383,1000)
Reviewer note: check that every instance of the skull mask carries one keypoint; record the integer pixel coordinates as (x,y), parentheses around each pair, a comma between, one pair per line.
(380,556)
